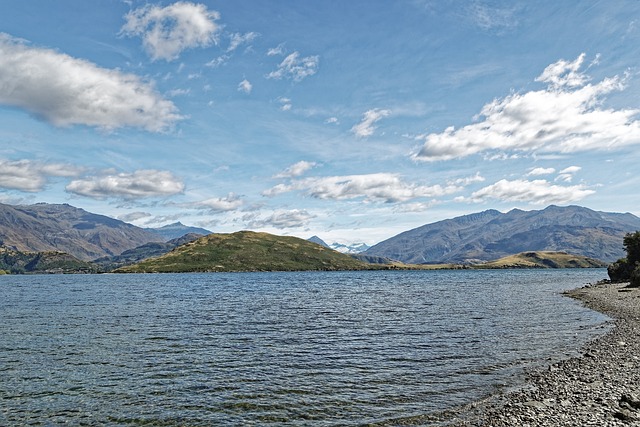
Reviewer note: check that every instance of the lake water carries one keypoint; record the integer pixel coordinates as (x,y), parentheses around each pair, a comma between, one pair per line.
(298,349)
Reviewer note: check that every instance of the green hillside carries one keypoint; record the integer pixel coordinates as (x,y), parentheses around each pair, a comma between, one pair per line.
(51,262)
(247,251)
(543,259)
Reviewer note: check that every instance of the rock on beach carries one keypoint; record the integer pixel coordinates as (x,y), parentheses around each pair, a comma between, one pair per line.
(599,388)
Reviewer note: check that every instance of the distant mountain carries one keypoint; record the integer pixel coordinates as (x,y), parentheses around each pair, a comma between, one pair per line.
(319,241)
(177,230)
(50,227)
(355,248)
(148,250)
(490,235)
(247,251)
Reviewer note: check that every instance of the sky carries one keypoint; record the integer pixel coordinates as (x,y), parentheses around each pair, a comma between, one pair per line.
(350,120)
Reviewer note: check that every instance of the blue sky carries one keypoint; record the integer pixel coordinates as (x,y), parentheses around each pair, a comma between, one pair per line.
(350,120)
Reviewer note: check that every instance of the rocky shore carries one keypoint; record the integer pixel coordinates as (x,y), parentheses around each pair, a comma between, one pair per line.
(599,388)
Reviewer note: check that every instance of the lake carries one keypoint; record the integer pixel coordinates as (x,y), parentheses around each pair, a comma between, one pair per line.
(296,349)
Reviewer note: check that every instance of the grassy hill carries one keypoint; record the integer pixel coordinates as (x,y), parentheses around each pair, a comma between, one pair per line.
(247,251)
(543,259)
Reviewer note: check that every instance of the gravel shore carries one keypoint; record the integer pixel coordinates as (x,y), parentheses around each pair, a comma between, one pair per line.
(599,388)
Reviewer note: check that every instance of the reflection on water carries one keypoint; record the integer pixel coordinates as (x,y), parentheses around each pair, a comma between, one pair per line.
(303,349)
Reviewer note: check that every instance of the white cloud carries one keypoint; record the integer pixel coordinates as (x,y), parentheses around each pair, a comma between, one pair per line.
(245,86)
(296,68)
(379,187)
(296,218)
(566,174)
(541,171)
(167,31)
(278,50)
(136,185)
(296,169)
(67,91)
(564,74)
(535,192)
(285,104)
(238,39)
(469,180)
(565,117)
(217,62)
(32,176)
(367,126)
(332,120)
(134,216)
(222,204)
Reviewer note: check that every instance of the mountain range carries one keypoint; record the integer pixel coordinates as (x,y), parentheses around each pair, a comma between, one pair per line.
(490,235)
(47,227)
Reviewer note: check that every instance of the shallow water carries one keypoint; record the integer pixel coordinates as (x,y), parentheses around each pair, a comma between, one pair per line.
(299,349)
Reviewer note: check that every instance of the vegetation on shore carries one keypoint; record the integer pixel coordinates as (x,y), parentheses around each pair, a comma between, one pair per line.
(51,262)
(628,269)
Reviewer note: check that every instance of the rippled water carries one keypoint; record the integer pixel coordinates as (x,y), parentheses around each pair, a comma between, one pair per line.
(300,349)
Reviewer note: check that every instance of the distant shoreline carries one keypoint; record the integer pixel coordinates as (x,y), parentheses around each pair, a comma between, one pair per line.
(600,387)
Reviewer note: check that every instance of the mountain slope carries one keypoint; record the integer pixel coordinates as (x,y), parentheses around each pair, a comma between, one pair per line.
(247,251)
(42,263)
(48,227)
(490,235)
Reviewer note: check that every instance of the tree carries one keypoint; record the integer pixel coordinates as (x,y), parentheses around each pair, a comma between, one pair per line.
(628,269)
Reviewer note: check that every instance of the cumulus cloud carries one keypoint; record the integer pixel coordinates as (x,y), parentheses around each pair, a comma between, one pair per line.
(67,91)
(245,86)
(238,39)
(538,192)
(367,126)
(167,31)
(136,185)
(32,176)
(296,169)
(228,203)
(296,68)
(217,62)
(567,116)
(379,187)
(296,218)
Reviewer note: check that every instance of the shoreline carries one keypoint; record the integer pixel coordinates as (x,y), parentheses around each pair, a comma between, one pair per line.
(599,388)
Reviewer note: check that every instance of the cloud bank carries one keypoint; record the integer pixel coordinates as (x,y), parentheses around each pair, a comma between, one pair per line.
(137,185)
(538,192)
(378,187)
(68,91)
(32,176)
(567,116)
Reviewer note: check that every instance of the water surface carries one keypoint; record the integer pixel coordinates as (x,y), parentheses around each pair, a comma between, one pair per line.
(298,349)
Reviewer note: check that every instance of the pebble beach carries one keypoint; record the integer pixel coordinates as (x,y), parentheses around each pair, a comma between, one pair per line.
(601,387)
